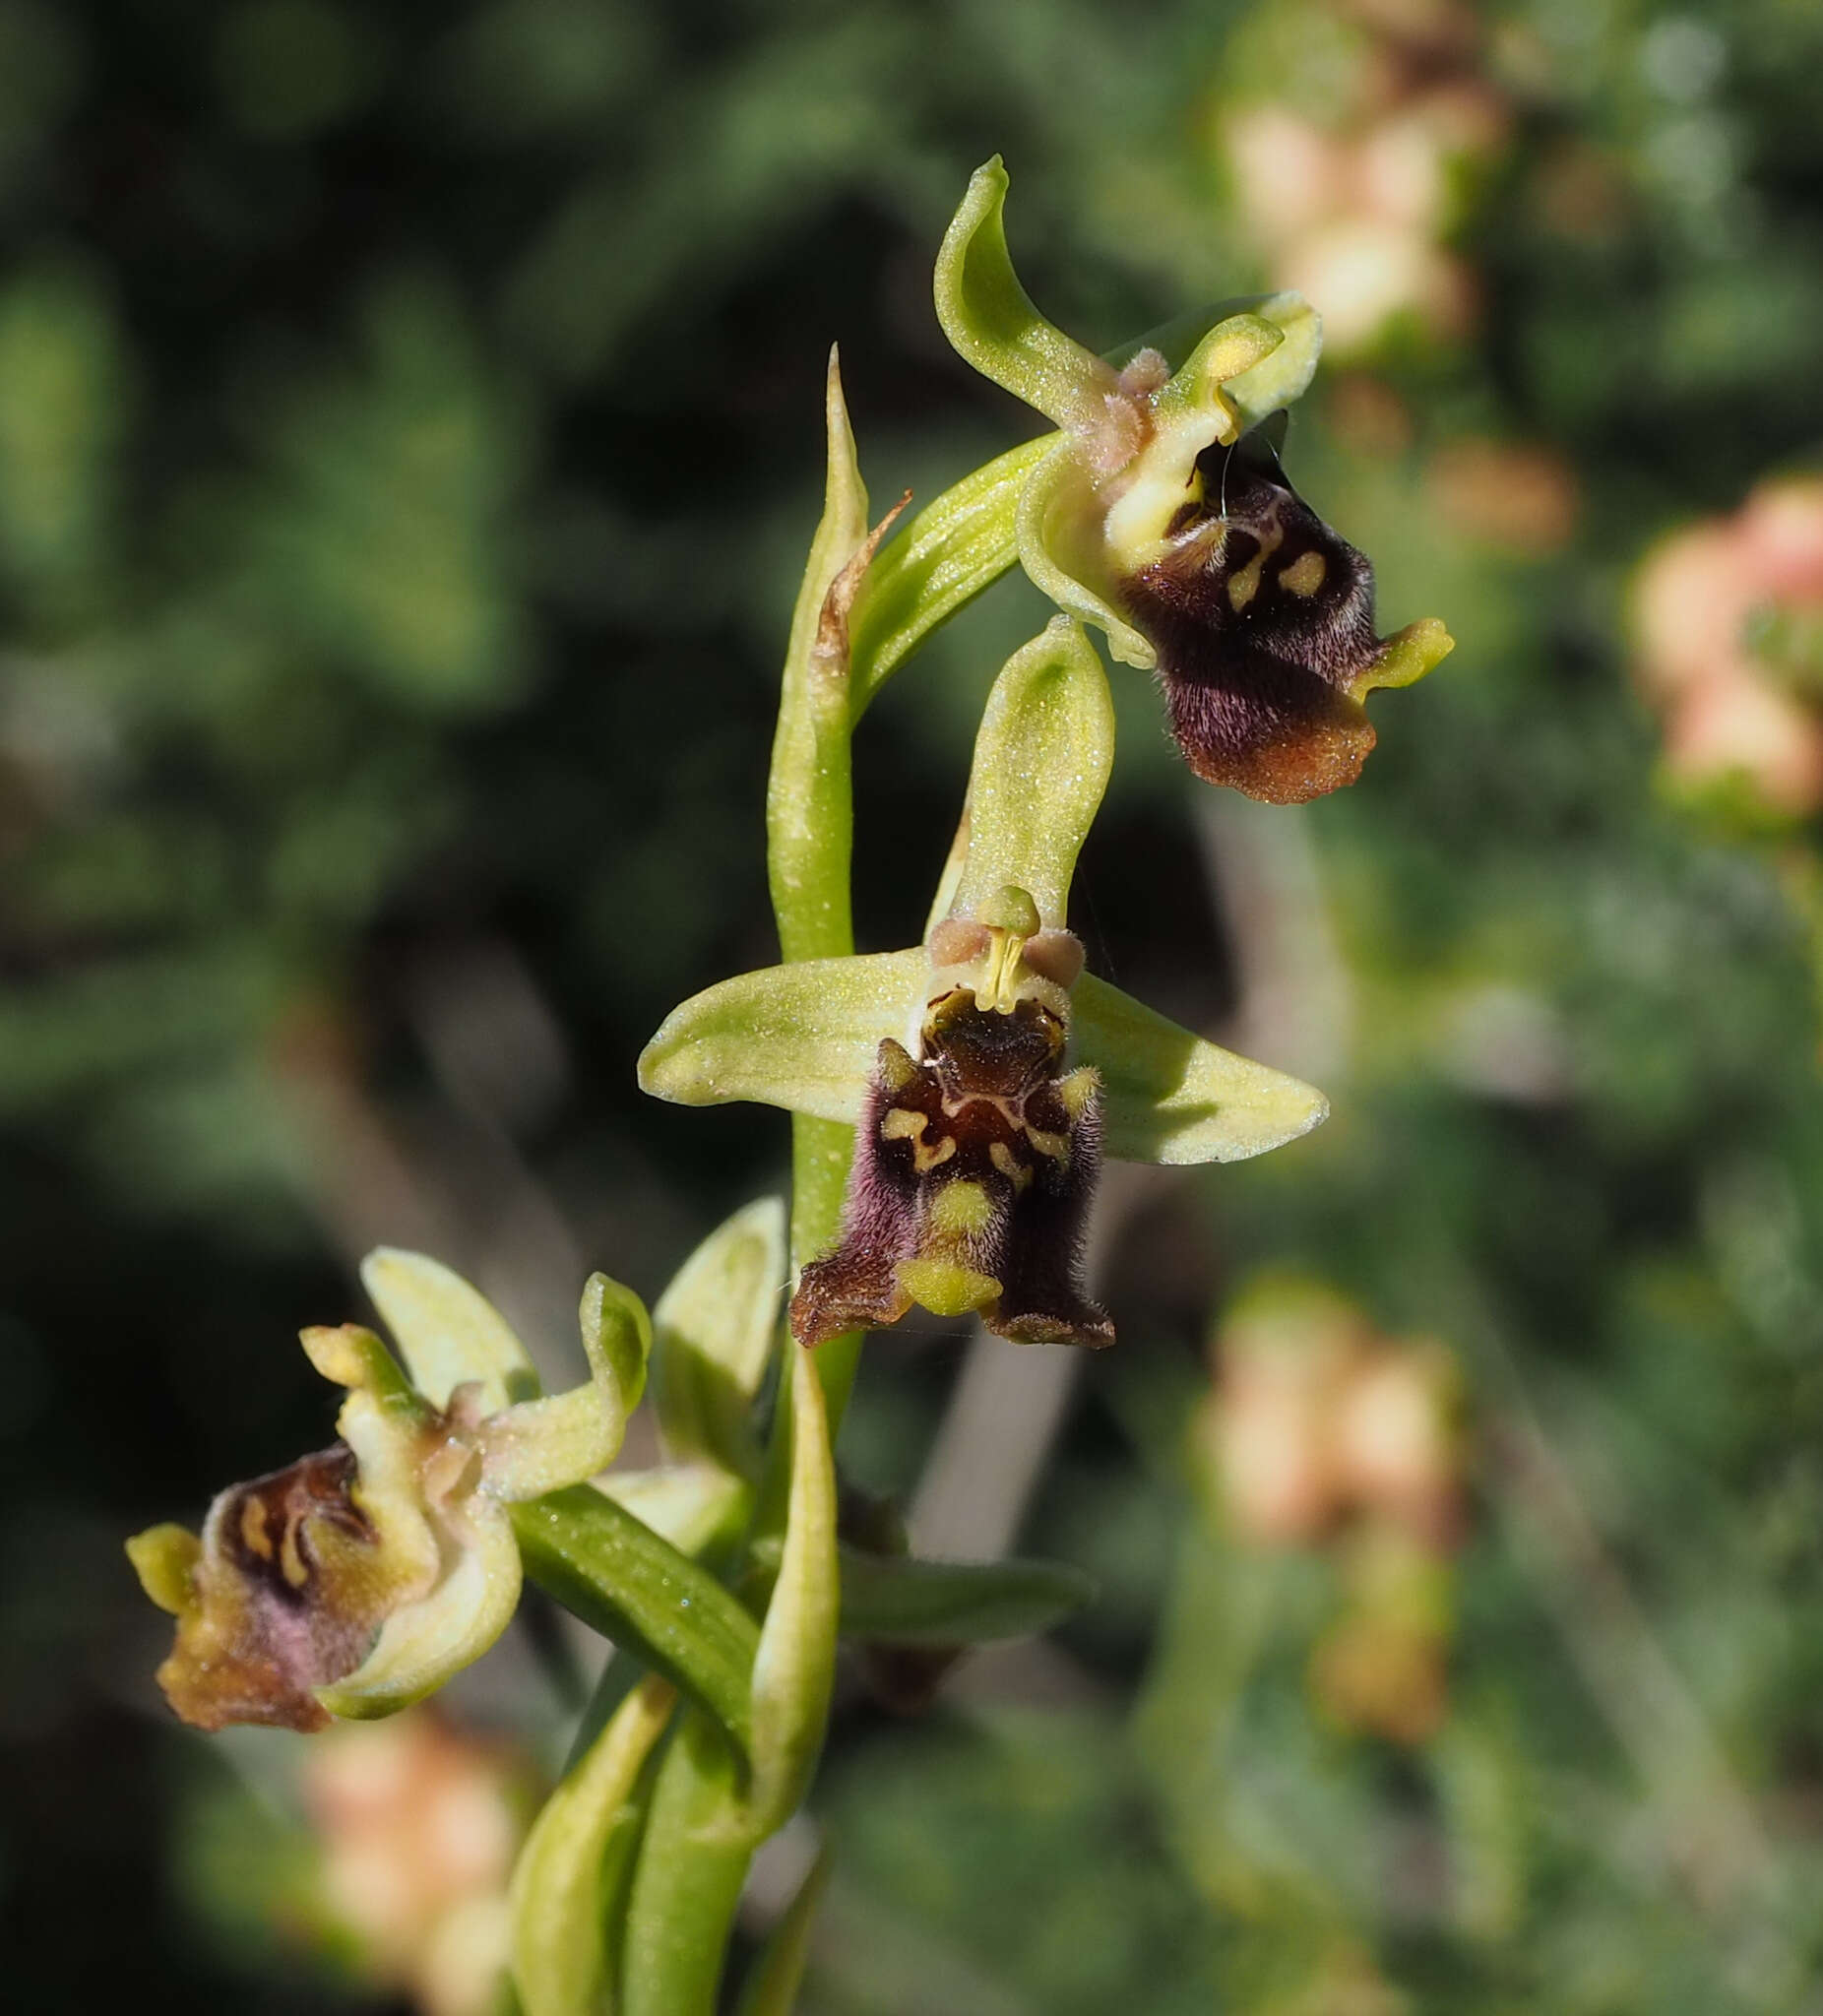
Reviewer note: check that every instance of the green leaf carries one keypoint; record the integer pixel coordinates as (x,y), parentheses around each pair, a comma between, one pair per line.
(570,1880)
(687,1880)
(901,1600)
(448,1330)
(1170,1096)
(542,1445)
(795,1669)
(991,322)
(625,1582)
(1041,763)
(955,547)
(714,1331)
(778,1972)
(800,1037)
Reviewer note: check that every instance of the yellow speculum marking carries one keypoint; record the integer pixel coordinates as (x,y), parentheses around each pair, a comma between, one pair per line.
(292,1564)
(1245,581)
(1009,1166)
(1305,574)
(901,1124)
(1055,1145)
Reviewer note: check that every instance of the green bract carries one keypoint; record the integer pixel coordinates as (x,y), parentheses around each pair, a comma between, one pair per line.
(359,1579)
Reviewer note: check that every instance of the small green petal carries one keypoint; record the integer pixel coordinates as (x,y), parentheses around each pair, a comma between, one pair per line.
(714,1331)
(576,1861)
(991,322)
(1277,378)
(544,1445)
(1170,1096)
(448,1330)
(801,1037)
(1041,764)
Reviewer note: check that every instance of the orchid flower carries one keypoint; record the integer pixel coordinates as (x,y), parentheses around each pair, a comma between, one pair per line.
(1162,516)
(987,1072)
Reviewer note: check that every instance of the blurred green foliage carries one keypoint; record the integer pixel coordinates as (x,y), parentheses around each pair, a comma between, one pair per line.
(409,435)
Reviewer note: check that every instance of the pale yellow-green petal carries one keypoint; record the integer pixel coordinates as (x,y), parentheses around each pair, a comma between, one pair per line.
(801,1037)
(1170,1096)
(449,1332)
(1041,763)
(546,1445)
(1059,512)
(425,1643)
(990,320)
(1280,377)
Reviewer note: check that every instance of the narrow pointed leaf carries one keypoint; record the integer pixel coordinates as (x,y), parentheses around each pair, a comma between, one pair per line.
(622,1580)
(1170,1096)
(793,1669)
(570,1881)
(447,1330)
(800,1037)
(956,546)
(714,1331)
(778,1972)
(991,322)
(542,1445)
(1041,763)
(692,1861)
(903,1600)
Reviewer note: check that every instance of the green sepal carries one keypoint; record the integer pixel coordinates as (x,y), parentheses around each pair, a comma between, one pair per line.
(568,1893)
(992,324)
(778,1971)
(638,1590)
(959,544)
(449,1332)
(1041,762)
(900,1600)
(800,1037)
(692,1862)
(713,1329)
(1170,1097)
(542,1445)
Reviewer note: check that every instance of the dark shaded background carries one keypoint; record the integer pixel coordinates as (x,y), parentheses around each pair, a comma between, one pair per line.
(408,440)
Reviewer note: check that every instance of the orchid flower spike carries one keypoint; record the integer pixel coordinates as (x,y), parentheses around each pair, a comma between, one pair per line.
(986,1071)
(1163,516)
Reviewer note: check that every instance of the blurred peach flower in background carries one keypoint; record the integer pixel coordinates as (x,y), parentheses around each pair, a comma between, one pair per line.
(418,1823)
(1351,181)
(1714,609)
(1321,1432)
